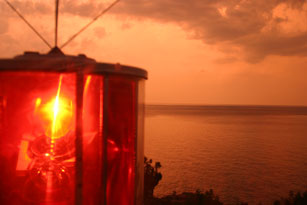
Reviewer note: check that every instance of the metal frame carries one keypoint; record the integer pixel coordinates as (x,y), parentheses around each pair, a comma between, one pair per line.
(58,62)
(105,127)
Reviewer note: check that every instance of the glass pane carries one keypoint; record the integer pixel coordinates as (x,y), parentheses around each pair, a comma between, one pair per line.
(121,141)
(139,188)
(37,135)
(92,140)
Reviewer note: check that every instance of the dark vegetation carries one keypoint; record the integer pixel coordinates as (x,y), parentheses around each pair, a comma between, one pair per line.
(293,199)
(152,176)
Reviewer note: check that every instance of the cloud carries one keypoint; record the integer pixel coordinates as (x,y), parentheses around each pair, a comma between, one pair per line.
(27,7)
(81,8)
(257,28)
(253,26)
(100,32)
(126,26)
(258,47)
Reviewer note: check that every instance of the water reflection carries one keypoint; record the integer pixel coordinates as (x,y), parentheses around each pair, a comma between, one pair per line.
(254,157)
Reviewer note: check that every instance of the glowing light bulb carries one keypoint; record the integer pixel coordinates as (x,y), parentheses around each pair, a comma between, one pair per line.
(56,114)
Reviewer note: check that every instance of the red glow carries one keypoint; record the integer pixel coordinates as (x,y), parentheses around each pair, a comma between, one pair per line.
(57,114)
(121,142)
(23,158)
(87,82)
(38,131)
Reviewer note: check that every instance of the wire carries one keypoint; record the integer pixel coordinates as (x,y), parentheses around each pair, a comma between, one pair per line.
(56,22)
(91,22)
(33,29)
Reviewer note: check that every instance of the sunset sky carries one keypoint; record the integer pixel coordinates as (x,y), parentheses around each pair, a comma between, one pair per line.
(196,51)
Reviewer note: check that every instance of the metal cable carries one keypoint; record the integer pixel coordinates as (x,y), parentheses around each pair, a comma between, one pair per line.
(23,18)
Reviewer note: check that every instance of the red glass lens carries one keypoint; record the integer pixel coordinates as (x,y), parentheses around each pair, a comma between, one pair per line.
(121,141)
(92,161)
(37,138)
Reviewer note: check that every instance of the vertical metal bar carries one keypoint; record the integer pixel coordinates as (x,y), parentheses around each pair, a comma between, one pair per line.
(136,107)
(140,143)
(56,22)
(101,140)
(78,141)
(105,136)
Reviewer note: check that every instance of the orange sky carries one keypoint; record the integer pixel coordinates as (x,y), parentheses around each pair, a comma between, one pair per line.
(196,51)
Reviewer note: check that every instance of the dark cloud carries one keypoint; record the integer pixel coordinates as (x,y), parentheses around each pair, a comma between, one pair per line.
(245,24)
(258,46)
(241,25)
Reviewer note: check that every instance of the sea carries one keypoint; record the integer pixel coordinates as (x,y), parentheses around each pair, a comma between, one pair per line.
(253,154)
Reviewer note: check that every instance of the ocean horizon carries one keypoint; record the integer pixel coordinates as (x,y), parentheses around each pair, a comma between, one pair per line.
(251,153)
